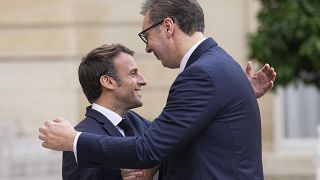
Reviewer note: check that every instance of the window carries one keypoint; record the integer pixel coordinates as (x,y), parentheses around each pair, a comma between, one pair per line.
(297,117)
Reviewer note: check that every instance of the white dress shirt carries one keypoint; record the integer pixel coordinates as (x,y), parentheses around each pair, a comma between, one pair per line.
(186,57)
(112,116)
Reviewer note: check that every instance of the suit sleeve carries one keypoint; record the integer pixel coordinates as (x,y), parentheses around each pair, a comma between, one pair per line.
(72,171)
(192,97)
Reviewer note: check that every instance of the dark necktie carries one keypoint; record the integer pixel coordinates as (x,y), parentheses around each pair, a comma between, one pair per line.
(125,126)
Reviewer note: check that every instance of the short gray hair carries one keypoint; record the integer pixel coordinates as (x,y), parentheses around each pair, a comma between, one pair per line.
(187,14)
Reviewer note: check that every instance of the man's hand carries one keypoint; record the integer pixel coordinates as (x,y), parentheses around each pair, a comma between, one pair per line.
(139,174)
(131,174)
(262,80)
(57,135)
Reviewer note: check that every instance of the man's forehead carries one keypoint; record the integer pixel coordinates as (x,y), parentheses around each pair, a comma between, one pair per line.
(125,61)
(146,20)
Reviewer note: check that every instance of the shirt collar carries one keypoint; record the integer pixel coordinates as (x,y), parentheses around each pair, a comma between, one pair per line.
(112,116)
(186,57)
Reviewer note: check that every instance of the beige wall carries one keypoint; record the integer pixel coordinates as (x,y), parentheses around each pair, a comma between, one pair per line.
(42,42)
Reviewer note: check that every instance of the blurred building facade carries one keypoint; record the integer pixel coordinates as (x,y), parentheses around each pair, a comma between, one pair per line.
(41,46)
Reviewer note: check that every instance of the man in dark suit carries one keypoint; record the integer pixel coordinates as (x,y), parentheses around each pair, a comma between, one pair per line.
(111,82)
(210,126)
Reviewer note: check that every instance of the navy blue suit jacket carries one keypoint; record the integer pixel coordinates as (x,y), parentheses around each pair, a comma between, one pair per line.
(95,122)
(209,129)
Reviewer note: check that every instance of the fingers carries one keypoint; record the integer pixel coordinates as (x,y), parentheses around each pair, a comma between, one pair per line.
(42,137)
(45,133)
(44,144)
(135,172)
(271,74)
(131,174)
(265,68)
(43,130)
(47,123)
(268,86)
(57,134)
(59,120)
(49,146)
(271,86)
(128,170)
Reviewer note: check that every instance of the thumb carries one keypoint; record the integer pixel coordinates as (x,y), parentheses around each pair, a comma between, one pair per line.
(249,68)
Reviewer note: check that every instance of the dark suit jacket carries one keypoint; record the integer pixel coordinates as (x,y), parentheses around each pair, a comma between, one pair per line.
(95,122)
(209,129)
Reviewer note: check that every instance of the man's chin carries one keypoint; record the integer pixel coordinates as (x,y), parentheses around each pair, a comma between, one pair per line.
(138,104)
(169,66)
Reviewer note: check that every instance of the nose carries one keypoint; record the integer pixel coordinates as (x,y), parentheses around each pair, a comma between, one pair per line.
(141,80)
(148,49)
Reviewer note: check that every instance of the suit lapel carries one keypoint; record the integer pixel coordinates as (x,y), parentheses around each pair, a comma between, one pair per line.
(205,45)
(107,125)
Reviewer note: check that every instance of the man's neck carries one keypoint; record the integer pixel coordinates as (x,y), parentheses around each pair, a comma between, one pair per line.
(111,106)
(185,43)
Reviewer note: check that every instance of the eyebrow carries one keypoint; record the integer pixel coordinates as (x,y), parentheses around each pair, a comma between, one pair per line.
(134,70)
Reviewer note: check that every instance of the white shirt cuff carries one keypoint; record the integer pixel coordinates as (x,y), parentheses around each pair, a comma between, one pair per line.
(75,145)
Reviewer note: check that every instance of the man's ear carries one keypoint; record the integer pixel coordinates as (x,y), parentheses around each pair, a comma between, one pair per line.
(169,26)
(107,82)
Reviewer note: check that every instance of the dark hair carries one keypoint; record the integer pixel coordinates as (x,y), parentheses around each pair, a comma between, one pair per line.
(187,14)
(97,63)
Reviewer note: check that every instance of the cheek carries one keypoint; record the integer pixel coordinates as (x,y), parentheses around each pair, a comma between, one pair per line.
(131,87)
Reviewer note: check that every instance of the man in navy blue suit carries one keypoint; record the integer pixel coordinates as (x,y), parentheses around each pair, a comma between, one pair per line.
(210,127)
(110,79)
